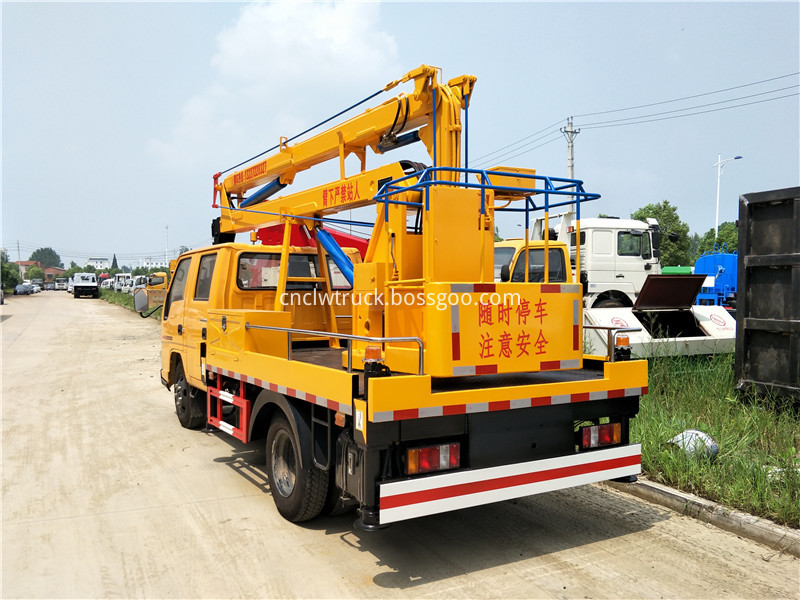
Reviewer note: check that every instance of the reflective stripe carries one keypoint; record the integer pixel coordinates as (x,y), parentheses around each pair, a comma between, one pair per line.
(402,500)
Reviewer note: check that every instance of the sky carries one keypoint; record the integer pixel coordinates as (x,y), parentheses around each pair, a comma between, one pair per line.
(115,116)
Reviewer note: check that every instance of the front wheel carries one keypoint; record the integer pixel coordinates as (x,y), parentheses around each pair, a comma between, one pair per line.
(299,493)
(190,405)
(608,303)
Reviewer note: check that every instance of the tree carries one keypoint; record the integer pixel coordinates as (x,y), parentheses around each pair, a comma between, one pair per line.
(728,236)
(34,273)
(694,246)
(497,237)
(48,257)
(672,253)
(9,272)
(114,264)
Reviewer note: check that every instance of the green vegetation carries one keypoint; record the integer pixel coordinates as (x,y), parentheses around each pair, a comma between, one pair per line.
(9,273)
(48,257)
(125,300)
(728,235)
(672,253)
(756,470)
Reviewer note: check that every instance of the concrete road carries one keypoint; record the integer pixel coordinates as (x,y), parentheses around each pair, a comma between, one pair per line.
(105,495)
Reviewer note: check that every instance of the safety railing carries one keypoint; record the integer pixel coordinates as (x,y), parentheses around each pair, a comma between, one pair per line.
(542,185)
(344,336)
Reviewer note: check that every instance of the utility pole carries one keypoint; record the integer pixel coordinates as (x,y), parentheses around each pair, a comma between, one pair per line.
(570,133)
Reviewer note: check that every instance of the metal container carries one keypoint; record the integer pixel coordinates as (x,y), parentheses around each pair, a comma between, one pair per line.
(768,299)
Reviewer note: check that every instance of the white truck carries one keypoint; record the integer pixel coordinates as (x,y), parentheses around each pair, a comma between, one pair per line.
(119,281)
(85,284)
(617,256)
(623,287)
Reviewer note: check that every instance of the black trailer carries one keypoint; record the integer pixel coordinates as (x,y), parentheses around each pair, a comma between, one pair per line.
(768,299)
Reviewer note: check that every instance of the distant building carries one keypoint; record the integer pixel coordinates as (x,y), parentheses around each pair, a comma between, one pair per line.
(24,265)
(99,263)
(149,263)
(50,273)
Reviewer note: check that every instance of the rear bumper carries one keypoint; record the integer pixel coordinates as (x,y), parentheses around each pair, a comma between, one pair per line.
(402,500)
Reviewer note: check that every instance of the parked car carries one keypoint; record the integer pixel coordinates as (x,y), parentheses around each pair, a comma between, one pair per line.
(49,286)
(23,289)
(107,284)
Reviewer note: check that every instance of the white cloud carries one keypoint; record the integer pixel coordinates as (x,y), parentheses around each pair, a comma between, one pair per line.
(280,68)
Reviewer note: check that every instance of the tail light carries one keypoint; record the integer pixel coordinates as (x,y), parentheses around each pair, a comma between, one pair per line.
(597,436)
(433,458)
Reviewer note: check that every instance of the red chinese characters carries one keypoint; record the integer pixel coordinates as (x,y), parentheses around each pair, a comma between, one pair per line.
(531,340)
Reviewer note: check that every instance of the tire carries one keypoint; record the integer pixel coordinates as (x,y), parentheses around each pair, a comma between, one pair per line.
(76,295)
(190,405)
(608,303)
(299,493)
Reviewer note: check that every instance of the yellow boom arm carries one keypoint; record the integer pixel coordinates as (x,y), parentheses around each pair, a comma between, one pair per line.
(431,113)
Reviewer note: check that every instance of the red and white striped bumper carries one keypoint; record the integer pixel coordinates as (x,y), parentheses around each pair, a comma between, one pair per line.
(402,500)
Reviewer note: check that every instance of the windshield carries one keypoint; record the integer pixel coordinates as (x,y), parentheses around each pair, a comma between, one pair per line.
(556,267)
(502,256)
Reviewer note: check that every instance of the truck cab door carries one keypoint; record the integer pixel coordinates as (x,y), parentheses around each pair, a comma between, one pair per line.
(634,258)
(173,339)
(195,321)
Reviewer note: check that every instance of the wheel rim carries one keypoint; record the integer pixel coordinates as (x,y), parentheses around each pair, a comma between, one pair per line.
(284,465)
(181,400)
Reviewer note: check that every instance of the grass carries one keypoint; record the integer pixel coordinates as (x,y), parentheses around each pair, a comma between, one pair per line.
(757,468)
(125,300)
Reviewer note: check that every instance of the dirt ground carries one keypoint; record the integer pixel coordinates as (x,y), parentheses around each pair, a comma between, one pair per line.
(104,495)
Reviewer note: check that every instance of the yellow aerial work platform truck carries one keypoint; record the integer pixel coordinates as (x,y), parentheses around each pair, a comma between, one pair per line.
(406,381)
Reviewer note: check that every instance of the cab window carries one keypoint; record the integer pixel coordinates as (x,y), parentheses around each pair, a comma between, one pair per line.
(261,271)
(178,288)
(633,244)
(556,267)
(338,280)
(205,273)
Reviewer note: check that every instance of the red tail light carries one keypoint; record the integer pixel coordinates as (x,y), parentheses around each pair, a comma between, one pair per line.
(433,458)
(601,435)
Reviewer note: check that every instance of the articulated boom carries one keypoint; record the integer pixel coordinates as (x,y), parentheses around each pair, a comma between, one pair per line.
(428,273)
(431,113)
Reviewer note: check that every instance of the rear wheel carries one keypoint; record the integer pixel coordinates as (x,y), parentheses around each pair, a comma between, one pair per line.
(190,405)
(299,493)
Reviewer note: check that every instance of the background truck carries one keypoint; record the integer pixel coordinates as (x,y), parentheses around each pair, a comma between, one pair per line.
(410,383)
(616,255)
(85,284)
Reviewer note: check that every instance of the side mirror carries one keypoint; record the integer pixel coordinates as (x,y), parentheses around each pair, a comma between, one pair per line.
(505,273)
(673,237)
(140,300)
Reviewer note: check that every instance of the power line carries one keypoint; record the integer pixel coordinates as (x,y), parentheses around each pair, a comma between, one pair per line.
(556,138)
(643,118)
(737,87)
(677,110)
(554,125)
(700,112)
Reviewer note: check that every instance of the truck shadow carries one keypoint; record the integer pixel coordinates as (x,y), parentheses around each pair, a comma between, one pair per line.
(472,540)
(437,547)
